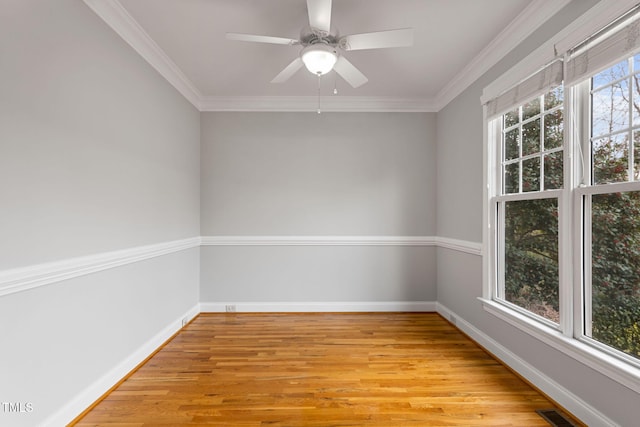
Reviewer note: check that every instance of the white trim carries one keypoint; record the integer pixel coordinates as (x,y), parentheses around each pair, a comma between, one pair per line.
(320,307)
(117,17)
(621,372)
(588,23)
(25,278)
(571,402)
(310,104)
(472,248)
(464,246)
(318,241)
(88,396)
(120,21)
(530,19)
(22,279)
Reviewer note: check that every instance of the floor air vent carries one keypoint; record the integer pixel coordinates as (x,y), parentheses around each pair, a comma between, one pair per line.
(555,418)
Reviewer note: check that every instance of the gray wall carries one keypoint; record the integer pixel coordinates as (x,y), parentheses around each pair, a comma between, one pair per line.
(97,153)
(459,276)
(310,174)
(304,174)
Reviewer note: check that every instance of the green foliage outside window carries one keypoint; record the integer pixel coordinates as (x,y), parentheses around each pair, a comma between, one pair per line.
(531,256)
(615,269)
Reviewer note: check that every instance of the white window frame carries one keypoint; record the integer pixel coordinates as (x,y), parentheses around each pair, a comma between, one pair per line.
(498,202)
(582,205)
(568,337)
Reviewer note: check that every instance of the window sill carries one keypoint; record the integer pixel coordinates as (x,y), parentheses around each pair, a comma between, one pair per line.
(614,368)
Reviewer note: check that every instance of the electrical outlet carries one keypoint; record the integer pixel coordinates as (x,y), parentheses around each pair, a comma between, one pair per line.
(230,308)
(185,321)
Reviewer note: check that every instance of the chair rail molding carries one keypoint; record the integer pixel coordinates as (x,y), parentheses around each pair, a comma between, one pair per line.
(24,278)
(318,241)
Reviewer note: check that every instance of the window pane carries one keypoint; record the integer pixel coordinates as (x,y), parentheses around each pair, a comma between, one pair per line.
(554,98)
(531,256)
(553,171)
(635,97)
(531,174)
(531,109)
(612,74)
(511,118)
(610,109)
(553,130)
(531,138)
(610,157)
(615,287)
(512,178)
(512,144)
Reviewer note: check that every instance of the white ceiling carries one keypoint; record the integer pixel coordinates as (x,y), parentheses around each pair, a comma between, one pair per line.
(454,42)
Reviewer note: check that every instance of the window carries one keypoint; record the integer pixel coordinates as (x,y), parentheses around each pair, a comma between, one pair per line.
(531,162)
(563,200)
(610,204)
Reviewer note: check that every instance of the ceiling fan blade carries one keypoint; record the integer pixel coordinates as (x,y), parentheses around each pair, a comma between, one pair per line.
(261,39)
(349,72)
(319,14)
(378,40)
(289,71)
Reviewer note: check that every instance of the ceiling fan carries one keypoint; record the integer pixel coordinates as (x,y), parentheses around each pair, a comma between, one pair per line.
(322,51)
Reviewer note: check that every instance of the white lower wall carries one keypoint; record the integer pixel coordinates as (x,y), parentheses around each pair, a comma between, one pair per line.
(66,343)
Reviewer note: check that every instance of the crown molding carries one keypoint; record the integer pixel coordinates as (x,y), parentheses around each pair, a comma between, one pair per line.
(116,16)
(529,20)
(310,104)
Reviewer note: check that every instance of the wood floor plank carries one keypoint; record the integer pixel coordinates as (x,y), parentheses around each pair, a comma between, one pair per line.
(323,369)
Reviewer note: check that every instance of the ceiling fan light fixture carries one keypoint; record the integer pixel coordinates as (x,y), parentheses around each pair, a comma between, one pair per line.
(319,58)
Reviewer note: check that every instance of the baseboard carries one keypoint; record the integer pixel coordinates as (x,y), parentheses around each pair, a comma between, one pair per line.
(310,307)
(572,403)
(91,394)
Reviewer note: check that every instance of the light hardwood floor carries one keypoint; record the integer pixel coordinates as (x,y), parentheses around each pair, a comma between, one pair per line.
(373,369)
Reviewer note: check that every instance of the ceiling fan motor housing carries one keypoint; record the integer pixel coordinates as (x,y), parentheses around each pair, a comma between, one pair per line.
(319,58)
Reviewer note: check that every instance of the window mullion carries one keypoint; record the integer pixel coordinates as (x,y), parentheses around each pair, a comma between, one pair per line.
(630,156)
(500,267)
(565,248)
(580,179)
(585,328)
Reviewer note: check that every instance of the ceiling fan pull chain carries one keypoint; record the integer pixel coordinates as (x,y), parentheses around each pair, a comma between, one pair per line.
(319,79)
